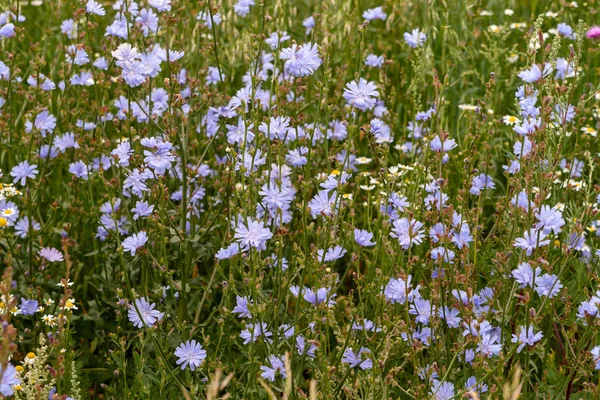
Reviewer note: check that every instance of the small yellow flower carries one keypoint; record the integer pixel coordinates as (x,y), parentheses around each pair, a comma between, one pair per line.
(494,28)
(3,222)
(17,388)
(8,212)
(19,369)
(589,130)
(394,171)
(518,25)
(557,243)
(576,185)
(64,283)
(30,358)
(510,120)
(70,305)
(49,320)
(335,172)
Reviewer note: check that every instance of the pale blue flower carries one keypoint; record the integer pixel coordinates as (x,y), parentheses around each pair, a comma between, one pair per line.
(277,367)
(134,242)
(147,315)
(241,307)
(526,337)
(142,209)
(360,359)
(23,171)
(415,39)
(190,353)
(363,237)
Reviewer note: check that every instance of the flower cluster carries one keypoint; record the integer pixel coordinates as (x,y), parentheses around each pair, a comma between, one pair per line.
(351,200)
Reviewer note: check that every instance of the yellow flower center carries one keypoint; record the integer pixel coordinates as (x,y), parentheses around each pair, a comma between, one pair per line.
(30,355)
(3,222)
(19,369)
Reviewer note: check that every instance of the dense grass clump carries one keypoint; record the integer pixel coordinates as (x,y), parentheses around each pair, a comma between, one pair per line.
(329,199)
